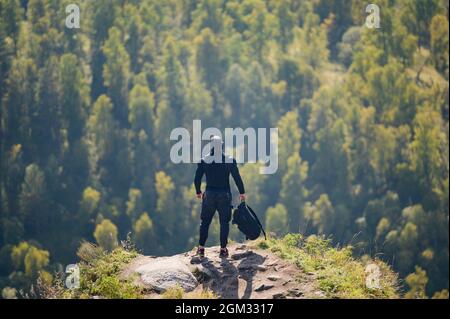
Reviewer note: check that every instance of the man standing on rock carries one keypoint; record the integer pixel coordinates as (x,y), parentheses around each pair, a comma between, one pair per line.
(217,167)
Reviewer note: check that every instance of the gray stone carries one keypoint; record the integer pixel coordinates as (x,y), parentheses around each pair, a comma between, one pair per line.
(165,273)
(274,278)
(259,267)
(295,293)
(263,287)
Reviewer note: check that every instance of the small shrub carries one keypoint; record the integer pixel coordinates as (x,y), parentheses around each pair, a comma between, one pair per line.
(293,240)
(89,252)
(112,288)
(263,245)
(173,293)
(204,294)
(100,275)
(178,293)
(338,273)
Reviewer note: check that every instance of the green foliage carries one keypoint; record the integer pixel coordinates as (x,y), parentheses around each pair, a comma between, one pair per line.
(439,31)
(29,259)
(116,73)
(90,201)
(293,191)
(135,203)
(18,254)
(417,282)
(89,252)
(174,293)
(289,137)
(179,293)
(338,273)
(35,260)
(73,96)
(443,294)
(111,288)
(144,233)
(322,214)
(9,293)
(85,118)
(106,235)
(207,57)
(32,196)
(277,219)
(100,277)
(141,115)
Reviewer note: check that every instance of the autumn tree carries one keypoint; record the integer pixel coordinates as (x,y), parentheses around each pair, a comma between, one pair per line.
(106,235)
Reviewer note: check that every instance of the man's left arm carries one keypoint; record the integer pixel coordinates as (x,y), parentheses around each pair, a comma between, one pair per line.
(198,179)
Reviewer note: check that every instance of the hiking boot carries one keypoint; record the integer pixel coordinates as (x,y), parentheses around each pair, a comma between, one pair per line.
(201,252)
(223,253)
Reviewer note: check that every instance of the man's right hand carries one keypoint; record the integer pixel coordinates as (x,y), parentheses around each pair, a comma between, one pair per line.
(199,196)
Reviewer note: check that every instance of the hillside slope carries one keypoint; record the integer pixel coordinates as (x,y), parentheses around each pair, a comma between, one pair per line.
(291,267)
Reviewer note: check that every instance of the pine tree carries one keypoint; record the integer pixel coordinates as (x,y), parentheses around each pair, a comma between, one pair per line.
(144,234)
(116,74)
(277,220)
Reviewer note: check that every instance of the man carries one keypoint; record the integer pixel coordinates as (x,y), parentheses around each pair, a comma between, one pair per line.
(217,167)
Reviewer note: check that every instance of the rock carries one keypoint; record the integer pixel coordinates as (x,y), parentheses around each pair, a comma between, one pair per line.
(286,282)
(295,293)
(273,278)
(242,287)
(241,247)
(279,296)
(238,256)
(259,267)
(201,273)
(263,287)
(320,294)
(165,273)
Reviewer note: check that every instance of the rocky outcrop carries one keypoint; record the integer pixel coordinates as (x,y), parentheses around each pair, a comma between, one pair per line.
(247,273)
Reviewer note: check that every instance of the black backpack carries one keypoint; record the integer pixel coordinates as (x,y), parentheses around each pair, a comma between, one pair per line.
(247,221)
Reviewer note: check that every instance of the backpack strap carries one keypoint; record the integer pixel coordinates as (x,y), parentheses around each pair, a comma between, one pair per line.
(257,219)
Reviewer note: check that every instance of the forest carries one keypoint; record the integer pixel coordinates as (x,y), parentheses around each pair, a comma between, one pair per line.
(86,114)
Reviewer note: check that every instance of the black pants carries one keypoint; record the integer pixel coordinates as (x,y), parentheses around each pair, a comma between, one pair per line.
(212,201)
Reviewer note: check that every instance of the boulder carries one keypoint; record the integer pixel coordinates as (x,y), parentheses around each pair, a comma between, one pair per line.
(164,273)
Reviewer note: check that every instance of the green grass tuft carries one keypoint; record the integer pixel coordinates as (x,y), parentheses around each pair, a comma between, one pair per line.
(100,277)
(178,293)
(339,274)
